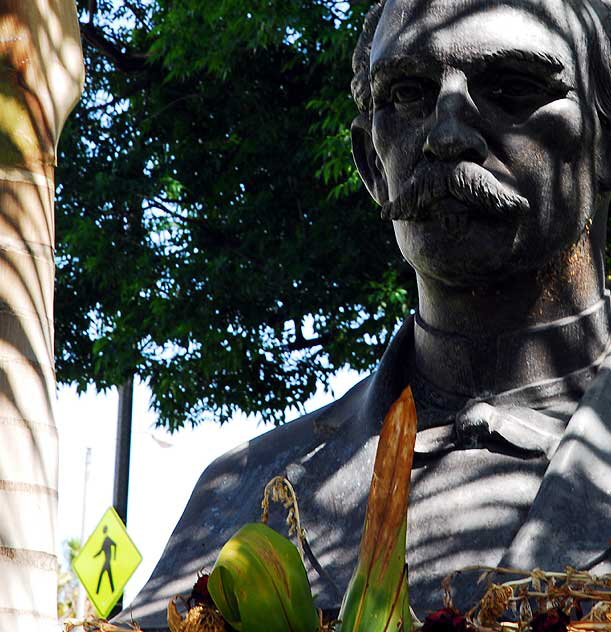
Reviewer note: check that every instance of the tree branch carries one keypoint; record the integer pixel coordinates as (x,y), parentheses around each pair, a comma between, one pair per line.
(138,13)
(299,337)
(126,61)
(300,345)
(212,236)
(162,205)
(92,8)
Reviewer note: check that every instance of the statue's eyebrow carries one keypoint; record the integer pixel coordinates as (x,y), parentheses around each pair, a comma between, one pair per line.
(394,67)
(545,61)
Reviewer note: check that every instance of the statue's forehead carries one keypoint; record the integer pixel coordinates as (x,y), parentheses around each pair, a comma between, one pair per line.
(551,25)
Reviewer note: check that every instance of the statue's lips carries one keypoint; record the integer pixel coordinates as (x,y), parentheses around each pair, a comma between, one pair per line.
(448,205)
(452,215)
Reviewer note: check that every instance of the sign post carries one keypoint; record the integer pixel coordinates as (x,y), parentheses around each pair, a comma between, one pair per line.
(106,562)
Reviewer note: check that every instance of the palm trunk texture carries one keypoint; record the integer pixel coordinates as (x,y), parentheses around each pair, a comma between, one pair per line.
(41,76)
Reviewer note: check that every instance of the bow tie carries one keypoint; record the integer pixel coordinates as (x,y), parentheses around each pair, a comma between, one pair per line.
(483,425)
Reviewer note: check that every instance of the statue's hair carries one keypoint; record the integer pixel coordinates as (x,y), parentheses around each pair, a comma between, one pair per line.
(361,82)
(599,56)
(600,62)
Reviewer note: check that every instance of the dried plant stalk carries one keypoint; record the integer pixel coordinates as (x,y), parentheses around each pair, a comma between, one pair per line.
(280,490)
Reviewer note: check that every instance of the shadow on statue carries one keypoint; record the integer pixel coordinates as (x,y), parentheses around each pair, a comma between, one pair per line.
(483,134)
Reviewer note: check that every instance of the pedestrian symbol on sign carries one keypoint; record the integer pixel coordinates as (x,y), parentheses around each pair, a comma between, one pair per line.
(108,545)
(106,562)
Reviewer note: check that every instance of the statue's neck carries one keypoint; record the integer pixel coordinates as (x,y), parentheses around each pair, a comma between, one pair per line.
(479,342)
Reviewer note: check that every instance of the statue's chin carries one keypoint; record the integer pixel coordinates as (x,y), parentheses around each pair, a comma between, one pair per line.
(463,248)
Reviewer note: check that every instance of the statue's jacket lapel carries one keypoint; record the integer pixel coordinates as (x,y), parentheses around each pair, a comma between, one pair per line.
(569,522)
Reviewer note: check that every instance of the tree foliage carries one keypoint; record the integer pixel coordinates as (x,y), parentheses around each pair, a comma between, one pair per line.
(213,237)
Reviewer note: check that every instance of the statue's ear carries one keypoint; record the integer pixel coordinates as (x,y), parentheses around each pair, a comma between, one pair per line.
(367,161)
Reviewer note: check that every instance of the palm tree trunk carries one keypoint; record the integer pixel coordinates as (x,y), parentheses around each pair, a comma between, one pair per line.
(40,80)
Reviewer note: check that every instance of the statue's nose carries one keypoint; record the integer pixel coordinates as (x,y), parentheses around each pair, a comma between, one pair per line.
(454,135)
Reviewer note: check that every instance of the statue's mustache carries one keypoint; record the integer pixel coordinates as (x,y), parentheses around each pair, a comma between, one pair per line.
(468,183)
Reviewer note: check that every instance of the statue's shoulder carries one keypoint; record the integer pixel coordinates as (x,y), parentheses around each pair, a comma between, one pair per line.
(352,418)
(273,450)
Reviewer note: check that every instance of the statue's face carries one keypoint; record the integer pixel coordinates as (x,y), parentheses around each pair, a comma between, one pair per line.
(485,132)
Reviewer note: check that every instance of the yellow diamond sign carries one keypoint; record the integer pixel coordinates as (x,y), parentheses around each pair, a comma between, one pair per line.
(106,562)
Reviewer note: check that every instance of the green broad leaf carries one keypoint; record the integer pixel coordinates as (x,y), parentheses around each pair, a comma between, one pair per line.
(259,583)
(377,596)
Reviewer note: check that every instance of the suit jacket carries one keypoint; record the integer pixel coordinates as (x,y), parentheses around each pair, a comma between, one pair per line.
(490,506)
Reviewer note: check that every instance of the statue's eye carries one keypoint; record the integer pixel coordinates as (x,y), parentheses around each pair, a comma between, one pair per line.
(519,94)
(407,92)
(517,87)
(413,94)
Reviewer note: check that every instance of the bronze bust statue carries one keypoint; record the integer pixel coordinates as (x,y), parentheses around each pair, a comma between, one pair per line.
(483,133)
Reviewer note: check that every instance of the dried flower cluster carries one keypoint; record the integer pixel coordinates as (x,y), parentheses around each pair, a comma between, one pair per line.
(446,620)
(199,618)
(201,613)
(537,601)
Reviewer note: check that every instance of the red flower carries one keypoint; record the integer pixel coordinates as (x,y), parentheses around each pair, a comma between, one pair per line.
(553,620)
(200,594)
(445,620)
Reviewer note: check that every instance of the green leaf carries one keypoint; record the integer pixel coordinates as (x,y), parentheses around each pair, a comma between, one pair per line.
(259,583)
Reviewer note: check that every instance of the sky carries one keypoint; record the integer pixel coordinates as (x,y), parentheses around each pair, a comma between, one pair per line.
(163,470)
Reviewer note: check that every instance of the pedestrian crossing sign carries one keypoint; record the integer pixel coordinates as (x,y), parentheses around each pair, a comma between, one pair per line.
(106,562)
